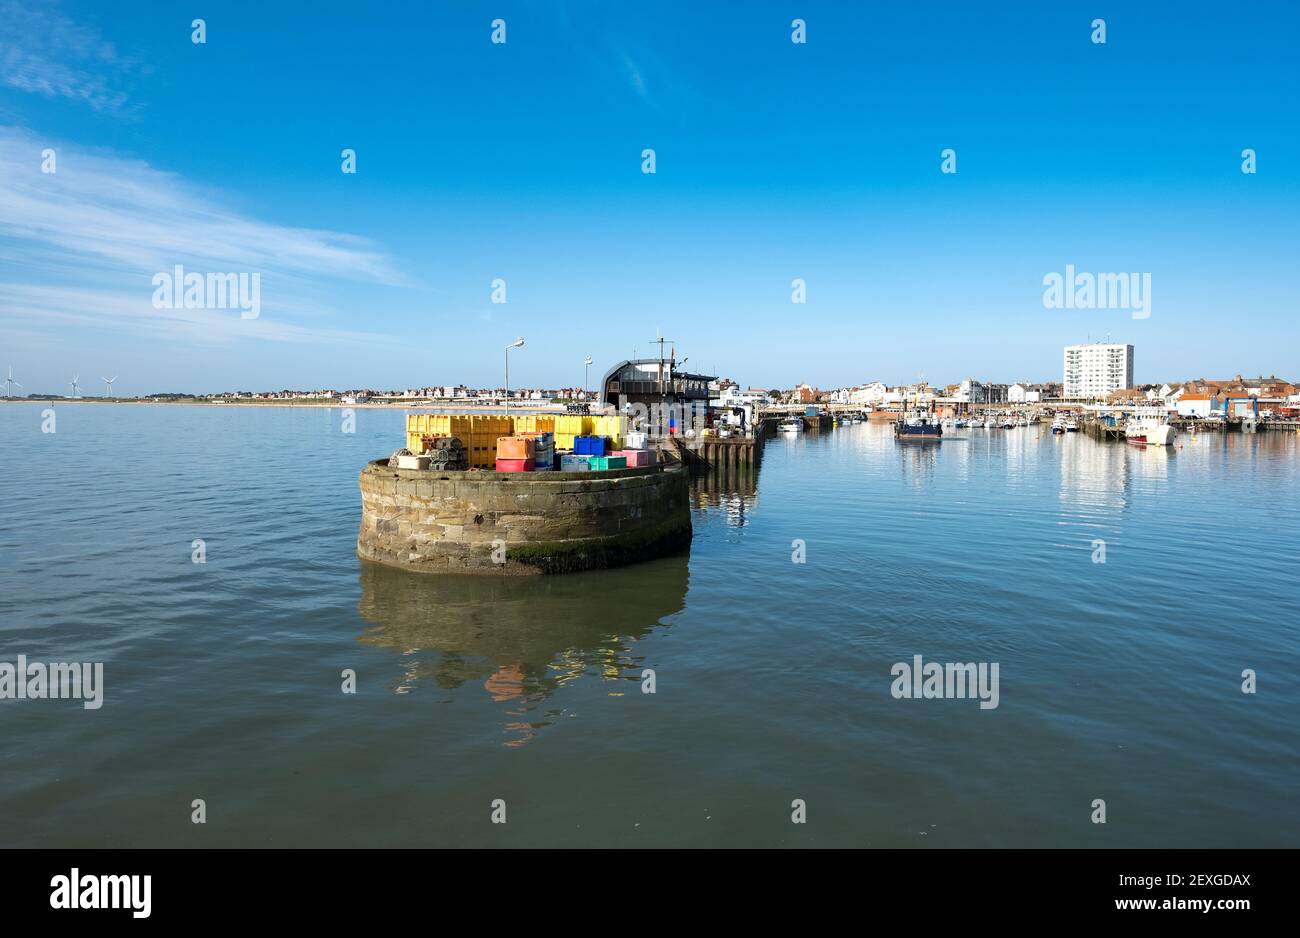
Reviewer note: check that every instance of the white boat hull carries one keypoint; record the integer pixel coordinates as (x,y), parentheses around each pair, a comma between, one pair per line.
(1162,435)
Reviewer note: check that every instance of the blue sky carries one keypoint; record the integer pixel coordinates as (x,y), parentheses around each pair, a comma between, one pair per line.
(523,161)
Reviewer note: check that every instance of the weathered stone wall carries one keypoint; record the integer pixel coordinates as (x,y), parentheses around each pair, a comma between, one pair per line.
(551,522)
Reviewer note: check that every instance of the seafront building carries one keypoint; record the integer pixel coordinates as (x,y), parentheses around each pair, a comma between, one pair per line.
(734,396)
(1097,369)
(1025,393)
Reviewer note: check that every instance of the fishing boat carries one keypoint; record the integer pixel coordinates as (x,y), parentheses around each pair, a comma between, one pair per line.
(1149,429)
(918,427)
(1008,423)
(789,425)
(1058,425)
(1071,425)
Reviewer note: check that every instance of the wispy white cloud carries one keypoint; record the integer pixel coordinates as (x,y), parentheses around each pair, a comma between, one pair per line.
(634,76)
(44,52)
(601,42)
(127,214)
(129,310)
(87,240)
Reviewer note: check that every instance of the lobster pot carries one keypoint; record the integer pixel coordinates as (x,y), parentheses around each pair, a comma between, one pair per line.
(477,433)
(444,453)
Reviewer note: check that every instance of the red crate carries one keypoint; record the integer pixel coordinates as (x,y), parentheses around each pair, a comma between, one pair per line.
(514,465)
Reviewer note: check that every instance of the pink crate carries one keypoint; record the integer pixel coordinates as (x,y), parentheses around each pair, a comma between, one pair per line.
(637,457)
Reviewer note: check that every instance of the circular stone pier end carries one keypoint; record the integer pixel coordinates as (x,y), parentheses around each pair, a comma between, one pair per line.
(519,523)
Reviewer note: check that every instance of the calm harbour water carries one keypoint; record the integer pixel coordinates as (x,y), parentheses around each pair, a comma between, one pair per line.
(1118,681)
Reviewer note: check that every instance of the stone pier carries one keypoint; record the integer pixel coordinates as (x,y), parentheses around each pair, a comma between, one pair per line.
(518,523)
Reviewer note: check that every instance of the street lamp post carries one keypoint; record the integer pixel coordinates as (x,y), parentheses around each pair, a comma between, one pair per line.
(586,369)
(517,343)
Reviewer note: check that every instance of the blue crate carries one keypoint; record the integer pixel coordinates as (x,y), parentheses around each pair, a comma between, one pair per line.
(589,445)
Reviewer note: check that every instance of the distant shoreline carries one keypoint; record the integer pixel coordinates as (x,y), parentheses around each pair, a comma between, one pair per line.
(369,405)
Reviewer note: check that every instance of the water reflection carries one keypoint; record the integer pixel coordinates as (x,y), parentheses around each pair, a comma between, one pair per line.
(918,460)
(521,638)
(733,490)
(1096,475)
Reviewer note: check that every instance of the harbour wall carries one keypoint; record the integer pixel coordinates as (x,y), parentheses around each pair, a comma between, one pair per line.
(509,524)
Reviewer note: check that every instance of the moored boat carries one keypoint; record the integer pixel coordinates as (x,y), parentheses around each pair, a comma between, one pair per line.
(1149,430)
(918,427)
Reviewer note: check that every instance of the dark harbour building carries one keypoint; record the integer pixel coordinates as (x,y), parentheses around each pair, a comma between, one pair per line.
(653,381)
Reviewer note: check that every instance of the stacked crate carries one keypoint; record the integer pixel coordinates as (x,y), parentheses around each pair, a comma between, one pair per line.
(568,426)
(478,436)
(515,454)
(543,449)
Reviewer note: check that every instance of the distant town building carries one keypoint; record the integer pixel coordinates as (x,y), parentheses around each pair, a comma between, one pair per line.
(1096,369)
(1024,394)
(1129,396)
(871,393)
(1197,405)
(732,395)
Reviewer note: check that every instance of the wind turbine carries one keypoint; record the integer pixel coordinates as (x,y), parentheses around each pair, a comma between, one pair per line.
(108,383)
(73,384)
(10,382)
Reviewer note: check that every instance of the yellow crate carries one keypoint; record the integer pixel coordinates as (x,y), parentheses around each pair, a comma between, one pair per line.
(421,425)
(534,423)
(479,432)
(614,427)
(567,426)
(572,424)
(482,448)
